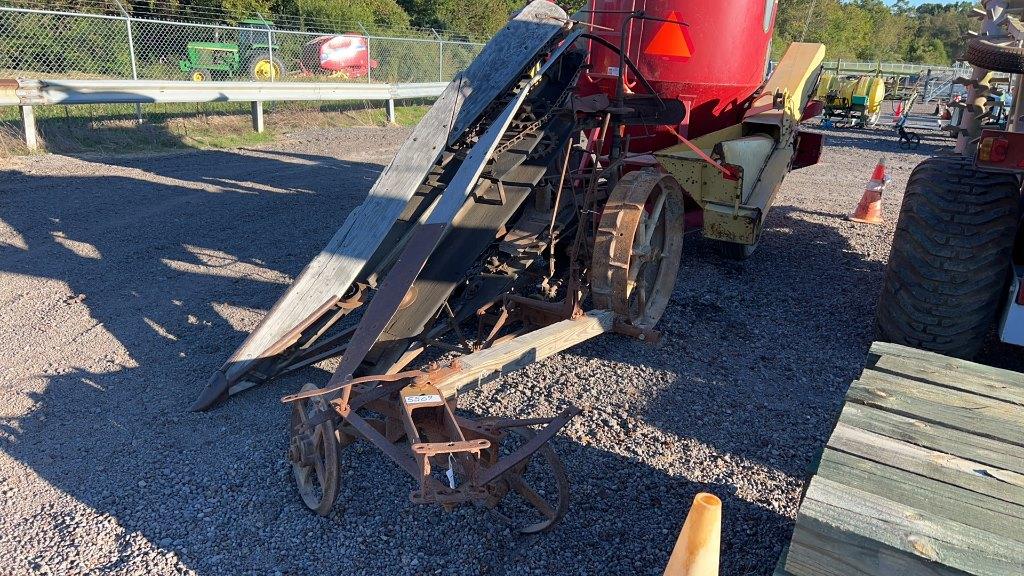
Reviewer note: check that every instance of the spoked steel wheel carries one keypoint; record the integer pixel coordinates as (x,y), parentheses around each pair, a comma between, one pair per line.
(314,454)
(534,495)
(638,247)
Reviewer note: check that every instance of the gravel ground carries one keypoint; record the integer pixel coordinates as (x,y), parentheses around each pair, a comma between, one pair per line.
(125,281)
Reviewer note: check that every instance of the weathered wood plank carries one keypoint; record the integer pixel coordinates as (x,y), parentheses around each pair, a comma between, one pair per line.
(981,478)
(934,436)
(916,533)
(780,567)
(923,474)
(939,361)
(921,493)
(951,378)
(951,408)
(821,548)
(500,359)
(331,273)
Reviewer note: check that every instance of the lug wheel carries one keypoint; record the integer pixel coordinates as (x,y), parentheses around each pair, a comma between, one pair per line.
(638,247)
(534,495)
(314,454)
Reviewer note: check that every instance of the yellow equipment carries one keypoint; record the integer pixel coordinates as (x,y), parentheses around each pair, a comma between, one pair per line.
(857,98)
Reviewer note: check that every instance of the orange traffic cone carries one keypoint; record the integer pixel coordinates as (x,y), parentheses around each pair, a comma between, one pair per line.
(697,549)
(869,210)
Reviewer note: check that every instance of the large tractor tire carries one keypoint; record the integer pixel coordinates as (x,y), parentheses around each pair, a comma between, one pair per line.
(995,57)
(263,68)
(950,257)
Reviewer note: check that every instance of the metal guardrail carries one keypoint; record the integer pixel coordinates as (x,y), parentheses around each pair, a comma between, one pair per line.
(22,92)
(26,93)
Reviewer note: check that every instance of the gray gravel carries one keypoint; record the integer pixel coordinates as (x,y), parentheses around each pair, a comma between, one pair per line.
(125,281)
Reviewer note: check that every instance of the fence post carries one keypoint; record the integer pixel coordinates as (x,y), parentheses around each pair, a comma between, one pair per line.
(369,56)
(131,53)
(28,120)
(440,55)
(369,52)
(391,110)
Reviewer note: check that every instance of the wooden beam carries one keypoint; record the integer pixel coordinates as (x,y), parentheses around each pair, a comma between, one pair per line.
(924,539)
(934,436)
(957,379)
(979,415)
(879,349)
(919,492)
(821,548)
(981,478)
(496,361)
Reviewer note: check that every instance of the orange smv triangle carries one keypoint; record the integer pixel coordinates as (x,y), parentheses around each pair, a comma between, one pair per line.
(671,40)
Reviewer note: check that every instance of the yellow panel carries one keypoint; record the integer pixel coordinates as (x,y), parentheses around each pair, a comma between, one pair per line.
(794,76)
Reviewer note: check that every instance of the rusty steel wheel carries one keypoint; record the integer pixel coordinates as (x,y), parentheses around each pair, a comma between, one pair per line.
(534,495)
(314,455)
(638,246)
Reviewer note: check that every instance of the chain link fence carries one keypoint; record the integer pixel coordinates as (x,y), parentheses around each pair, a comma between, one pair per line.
(49,44)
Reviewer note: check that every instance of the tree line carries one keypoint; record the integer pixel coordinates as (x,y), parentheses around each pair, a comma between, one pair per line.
(852,29)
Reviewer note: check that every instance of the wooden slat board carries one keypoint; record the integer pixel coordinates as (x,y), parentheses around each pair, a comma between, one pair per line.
(923,474)
(486,365)
(332,271)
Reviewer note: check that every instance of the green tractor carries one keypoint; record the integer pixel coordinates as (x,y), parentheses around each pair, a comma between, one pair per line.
(253,54)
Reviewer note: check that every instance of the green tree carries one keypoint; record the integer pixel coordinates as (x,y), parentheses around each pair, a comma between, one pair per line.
(241,9)
(463,17)
(342,14)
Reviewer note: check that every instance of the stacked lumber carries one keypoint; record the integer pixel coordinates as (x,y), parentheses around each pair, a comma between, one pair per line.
(923,474)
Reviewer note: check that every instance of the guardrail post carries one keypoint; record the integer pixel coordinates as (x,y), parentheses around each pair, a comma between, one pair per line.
(28,120)
(257,116)
(391,110)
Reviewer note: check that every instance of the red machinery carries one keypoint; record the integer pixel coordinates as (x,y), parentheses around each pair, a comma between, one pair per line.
(712,56)
(541,201)
(345,55)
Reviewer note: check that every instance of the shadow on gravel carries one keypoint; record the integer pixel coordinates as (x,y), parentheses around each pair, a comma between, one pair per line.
(763,360)
(162,269)
(885,140)
(762,353)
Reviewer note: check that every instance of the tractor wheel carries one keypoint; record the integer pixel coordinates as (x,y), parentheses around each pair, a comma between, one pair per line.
(995,57)
(263,68)
(638,247)
(950,257)
(200,75)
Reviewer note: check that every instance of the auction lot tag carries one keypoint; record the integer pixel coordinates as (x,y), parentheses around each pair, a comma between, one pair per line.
(422,399)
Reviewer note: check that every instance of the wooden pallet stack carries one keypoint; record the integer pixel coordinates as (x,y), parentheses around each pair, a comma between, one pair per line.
(923,474)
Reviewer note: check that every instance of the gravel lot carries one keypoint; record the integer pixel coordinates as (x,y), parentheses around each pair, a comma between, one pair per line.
(125,281)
